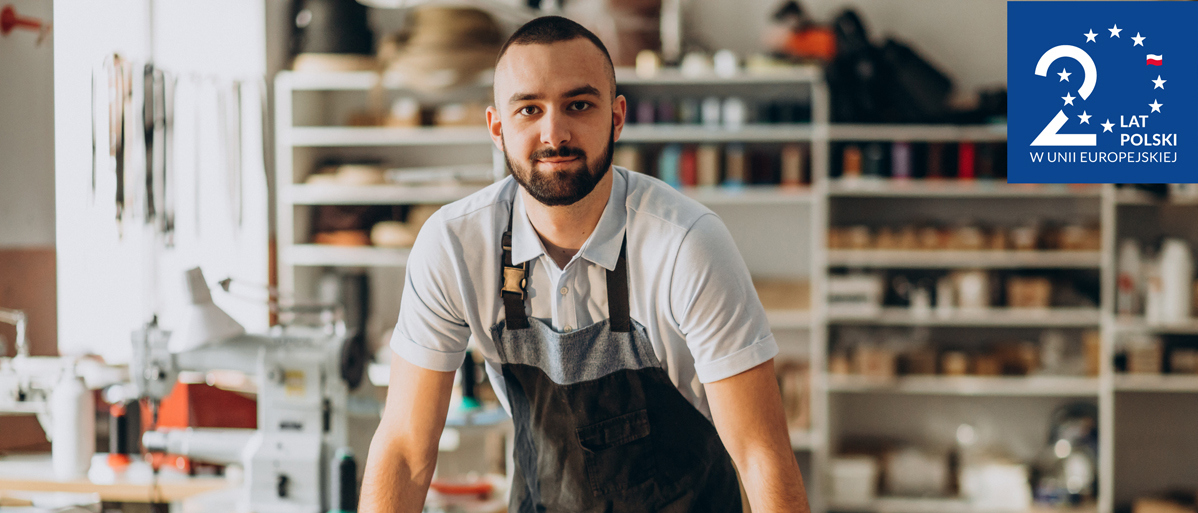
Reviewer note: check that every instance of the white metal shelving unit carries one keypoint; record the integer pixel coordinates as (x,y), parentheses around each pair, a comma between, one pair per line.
(294,253)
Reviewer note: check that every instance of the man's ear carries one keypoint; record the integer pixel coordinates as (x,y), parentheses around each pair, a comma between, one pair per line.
(495,127)
(619,113)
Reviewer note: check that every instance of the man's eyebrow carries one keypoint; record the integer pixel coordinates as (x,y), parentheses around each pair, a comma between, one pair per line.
(577,91)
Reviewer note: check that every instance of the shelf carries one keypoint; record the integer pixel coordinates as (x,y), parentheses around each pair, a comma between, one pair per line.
(918,133)
(333,136)
(997,386)
(947,505)
(1139,325)
(915,259)
(672,76)
(305,194)
(671,133)
(750,195)
(991,317)
(802,440)
(349,80)
(1135,197)
(1178,383)
(789,319)
(953,188)
(344,256)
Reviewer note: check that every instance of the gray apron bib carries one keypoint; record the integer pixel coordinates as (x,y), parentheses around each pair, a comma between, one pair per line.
(599,426)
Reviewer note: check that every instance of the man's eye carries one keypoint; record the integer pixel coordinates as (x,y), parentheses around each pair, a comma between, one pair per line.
(528,111)
(580,106)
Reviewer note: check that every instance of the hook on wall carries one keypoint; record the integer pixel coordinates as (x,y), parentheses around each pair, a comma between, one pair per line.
(10,20)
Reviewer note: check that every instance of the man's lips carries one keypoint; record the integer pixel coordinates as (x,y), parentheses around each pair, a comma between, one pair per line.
(558,160)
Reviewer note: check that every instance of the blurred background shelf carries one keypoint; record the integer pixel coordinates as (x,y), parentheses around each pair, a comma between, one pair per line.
(306,194)
(896,132)
(921,188)
(672,76)
(335,136)
(1004,386)
(321,255)
(667,133)
(965,259)
(750,195)
(1156,383)
(1140,325)
(921,505)
(992,317)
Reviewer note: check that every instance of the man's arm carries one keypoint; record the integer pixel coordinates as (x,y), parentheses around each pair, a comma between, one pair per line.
(747,410)
(403,452)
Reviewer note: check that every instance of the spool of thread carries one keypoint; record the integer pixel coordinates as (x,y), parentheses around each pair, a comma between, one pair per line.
(711,112)
(965,154)
(794,163)
(123,437)
(688,112)
(665,111)
(708,160)
(628,157)
(688,167)
(851,162)
(644,112)
(734,113)
(667,165)
(734,167)
(73,409)
(935,161)
(873,161)
(900,160)
(344,477)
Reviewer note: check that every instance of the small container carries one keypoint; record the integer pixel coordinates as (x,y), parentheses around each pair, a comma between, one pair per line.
(73,410)
(794,162)
(851,162)
(710,111)
(734,113)
(900,160)
(954,363)
(854,479)
(645,112)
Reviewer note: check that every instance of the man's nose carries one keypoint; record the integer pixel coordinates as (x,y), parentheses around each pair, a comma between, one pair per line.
(555,128)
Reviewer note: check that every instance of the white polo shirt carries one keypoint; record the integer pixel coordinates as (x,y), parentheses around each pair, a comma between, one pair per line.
(688,285)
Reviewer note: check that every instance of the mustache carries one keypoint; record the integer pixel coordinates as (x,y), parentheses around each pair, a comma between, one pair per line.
(562,152)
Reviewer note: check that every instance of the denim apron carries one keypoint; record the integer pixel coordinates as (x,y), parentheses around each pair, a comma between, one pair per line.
(599,426)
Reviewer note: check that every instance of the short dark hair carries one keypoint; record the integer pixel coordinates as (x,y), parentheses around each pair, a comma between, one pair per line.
(555,29)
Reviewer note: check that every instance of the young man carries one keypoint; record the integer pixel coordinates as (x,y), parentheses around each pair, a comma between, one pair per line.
(619,324)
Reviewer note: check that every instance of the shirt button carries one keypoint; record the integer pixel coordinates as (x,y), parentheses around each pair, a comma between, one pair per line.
(568,329)
(564,290)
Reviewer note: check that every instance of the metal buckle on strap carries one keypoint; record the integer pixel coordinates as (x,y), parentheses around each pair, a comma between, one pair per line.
(515,280)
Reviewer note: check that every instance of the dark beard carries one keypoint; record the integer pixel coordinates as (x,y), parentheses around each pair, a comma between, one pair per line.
(562,188)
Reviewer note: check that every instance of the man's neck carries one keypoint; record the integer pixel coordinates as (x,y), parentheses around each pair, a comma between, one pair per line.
(564,229)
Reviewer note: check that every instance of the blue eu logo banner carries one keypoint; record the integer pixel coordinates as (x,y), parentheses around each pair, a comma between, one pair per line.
(1102,92)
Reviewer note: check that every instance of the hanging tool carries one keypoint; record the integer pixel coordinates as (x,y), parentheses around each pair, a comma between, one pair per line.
(169,82)
(117,87)
(148,127)
(10,20)
(236,133)
(93,127)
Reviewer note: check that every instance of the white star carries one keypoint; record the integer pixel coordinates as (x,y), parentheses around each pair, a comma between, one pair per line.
(1085,117)
(1106,127)
(1068,99)
(1139,40)
(1156,107)
(1064,75)
(1090,36)
(1160,84)
(1115,31)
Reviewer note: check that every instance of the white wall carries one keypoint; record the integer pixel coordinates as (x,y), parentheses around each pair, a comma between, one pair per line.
(965,38)
(27,133)
(114,277)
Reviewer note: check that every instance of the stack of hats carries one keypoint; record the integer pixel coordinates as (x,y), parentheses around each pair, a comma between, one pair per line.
(444,47)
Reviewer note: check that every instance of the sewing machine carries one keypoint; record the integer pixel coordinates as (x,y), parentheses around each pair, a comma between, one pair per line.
(302,376)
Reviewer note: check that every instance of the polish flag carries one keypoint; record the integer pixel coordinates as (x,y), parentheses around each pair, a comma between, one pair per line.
(1155,60)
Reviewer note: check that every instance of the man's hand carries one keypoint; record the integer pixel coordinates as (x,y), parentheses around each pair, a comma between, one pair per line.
(403,452)
(747,410)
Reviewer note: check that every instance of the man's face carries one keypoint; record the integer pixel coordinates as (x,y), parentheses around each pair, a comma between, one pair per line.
(555,119)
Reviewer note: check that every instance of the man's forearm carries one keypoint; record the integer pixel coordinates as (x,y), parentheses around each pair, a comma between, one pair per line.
(394,482)
(773,482)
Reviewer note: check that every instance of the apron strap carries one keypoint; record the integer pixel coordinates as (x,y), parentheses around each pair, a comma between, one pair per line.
(514,288)
(515,283)
(617,294)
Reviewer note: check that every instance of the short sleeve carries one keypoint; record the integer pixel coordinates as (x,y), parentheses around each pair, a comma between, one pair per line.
(431,332)
(716,306)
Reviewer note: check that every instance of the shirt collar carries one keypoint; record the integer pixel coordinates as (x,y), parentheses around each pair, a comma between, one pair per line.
(601,248)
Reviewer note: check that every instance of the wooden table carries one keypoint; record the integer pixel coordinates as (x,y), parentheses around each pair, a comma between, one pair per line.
(34,473)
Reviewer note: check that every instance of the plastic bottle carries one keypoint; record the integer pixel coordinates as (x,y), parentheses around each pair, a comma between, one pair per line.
(1177,277)
(73,410)
(1129,281)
